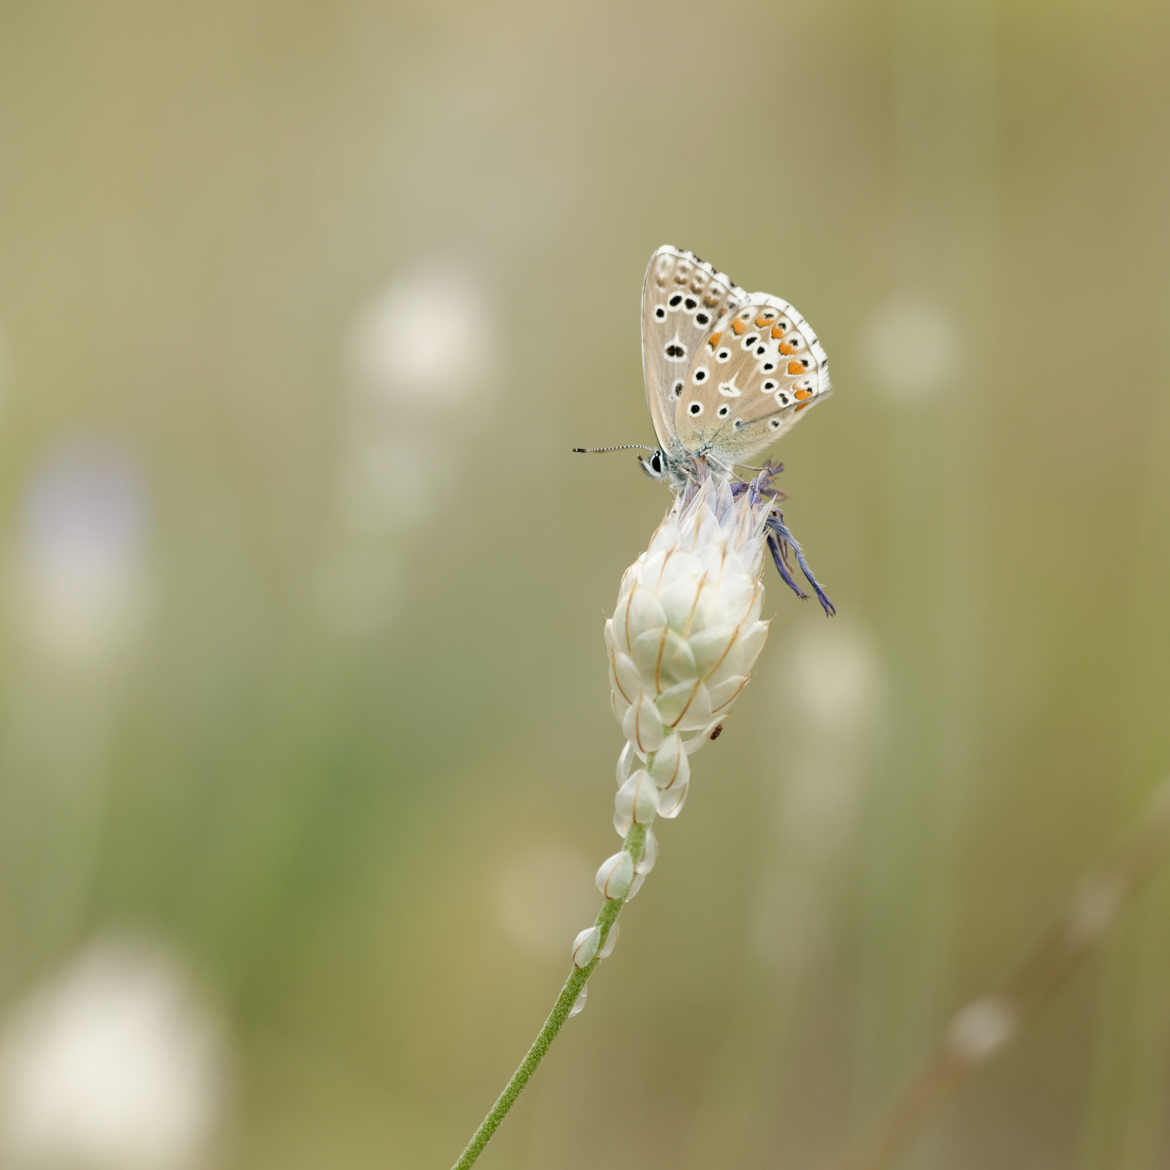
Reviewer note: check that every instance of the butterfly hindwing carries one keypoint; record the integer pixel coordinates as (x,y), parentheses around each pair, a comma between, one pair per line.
(682,299)
(758,368)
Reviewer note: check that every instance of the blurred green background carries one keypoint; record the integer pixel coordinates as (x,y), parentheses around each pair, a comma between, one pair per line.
(306,758)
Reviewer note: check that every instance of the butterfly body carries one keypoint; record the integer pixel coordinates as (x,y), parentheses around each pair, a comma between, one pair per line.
(727,372)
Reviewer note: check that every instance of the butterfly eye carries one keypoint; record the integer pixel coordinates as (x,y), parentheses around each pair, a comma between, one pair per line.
(696,408)
(660,313)
(723,411)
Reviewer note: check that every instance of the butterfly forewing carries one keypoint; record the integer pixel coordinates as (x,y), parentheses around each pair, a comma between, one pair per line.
(757,369)
(682,299)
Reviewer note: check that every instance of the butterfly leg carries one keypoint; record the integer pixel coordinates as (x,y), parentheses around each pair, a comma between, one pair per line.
(779,529)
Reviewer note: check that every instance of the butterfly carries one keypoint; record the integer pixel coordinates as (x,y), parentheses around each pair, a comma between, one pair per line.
(727,372)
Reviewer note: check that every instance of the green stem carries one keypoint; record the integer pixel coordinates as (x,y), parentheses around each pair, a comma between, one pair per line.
(606,917)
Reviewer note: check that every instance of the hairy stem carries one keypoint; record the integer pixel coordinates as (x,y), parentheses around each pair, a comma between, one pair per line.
(606,917)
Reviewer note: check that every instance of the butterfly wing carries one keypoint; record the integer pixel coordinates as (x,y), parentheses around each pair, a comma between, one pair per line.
(757,370)
(682,299)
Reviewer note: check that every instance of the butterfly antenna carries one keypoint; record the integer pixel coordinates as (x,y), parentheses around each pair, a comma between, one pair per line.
(605,450)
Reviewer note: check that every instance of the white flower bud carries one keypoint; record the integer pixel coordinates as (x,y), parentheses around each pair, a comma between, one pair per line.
(643,726)
(670,763)
(636,802)
(672,799)
(615,874)
(585,946)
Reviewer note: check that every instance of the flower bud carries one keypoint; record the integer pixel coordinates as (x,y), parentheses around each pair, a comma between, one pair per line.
(585,946)
(643,726)
(615,874)
(672,799)
(636,802)
(670,763)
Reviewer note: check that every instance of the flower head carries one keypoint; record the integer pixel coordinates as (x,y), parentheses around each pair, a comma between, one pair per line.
(686,630)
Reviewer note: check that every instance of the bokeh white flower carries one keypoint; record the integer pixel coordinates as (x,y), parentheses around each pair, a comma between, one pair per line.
(423,357)
(902,326)
(428,340)
(77,573)
(116,1062)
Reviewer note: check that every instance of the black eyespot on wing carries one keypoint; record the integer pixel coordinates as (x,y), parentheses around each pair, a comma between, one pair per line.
(659,313)
(678,389)
(700,375)
(676,352)
(723,411)
(690,304)
(675,301)
(702,318)
(696,408)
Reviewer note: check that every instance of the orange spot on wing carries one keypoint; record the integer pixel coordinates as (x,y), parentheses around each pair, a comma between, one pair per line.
(713,340)
(738,326)
(786,349)
(763,320)
(801,407)
(795,368)
(802,394)
(777,331)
